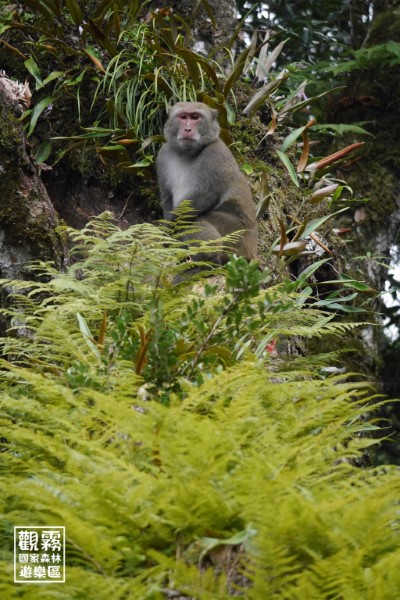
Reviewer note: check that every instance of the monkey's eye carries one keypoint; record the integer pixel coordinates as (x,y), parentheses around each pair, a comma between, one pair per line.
(183,116)
(195,116)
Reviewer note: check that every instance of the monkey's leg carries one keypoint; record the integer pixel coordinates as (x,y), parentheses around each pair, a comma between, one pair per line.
(203,230)
(228,219)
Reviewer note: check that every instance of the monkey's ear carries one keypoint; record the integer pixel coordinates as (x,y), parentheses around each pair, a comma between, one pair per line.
(214,113)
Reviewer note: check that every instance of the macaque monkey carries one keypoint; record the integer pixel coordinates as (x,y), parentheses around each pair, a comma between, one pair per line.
(195,165)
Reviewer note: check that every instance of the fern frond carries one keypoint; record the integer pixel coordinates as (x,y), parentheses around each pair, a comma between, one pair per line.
(150,419)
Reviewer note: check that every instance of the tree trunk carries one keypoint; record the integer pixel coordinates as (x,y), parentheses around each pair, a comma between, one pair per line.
(27,217)
(375,95)
(212,24)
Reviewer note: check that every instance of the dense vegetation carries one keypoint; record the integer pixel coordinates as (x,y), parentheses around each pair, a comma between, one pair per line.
(179,431)
(182,448)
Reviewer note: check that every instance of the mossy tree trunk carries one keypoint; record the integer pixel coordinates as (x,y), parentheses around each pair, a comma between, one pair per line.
(212,24)
(27,217)
(375,97)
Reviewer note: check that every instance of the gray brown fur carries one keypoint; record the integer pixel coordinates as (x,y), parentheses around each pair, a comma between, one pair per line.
(203,170)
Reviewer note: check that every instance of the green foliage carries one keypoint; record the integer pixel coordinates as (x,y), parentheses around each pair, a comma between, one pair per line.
(316,30)
(122,71)
(186,453)
(125,312)
(367,58)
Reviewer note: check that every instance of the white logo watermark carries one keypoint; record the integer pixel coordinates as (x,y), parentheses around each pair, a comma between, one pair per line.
(39,554)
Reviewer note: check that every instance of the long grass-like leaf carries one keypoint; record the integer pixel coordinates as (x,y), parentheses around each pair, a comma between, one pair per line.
(332,158)
(289,167)
(37,111)
(313,225)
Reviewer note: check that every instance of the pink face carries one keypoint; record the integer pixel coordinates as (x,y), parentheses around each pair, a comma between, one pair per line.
(188,125)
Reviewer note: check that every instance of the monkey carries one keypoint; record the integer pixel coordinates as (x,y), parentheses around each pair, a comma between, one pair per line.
(194,164)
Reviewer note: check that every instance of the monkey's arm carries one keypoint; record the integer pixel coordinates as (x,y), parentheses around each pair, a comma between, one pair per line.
(167,206)
(166,196)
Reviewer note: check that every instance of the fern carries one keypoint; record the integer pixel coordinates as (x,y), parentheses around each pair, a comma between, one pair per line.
(183,457)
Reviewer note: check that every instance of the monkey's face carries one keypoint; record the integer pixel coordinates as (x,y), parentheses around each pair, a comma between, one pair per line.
(190,126)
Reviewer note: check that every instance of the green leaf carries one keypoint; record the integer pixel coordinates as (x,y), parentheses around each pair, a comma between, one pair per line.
(4,28)
(248,169)
(101,38)
(84,328)
(53,75)
(208,543)
(349,282)
(306,273)
(146,162)
(34,70)
(289,167)
(341,128)
(292,137)
(192,64)
(43,152)
(75,11)
(313,225)
(113,148)
(37,111)
(334,299)
(259,98)
(345,308)
(236,71)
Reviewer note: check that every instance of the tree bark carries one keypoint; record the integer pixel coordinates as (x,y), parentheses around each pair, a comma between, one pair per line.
(27,217)
(210,28)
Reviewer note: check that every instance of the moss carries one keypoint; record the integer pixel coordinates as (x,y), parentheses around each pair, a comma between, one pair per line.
(385,26)
(26,217)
